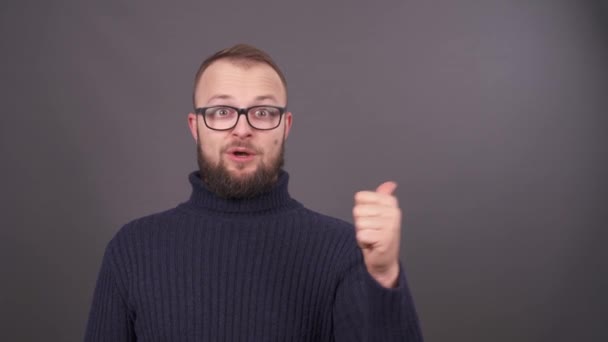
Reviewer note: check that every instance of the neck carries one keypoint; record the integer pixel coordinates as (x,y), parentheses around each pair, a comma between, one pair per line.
(274,199)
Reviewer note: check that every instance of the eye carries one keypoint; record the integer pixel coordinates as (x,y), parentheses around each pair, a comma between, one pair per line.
(261,113)
(221,112)
(265,113)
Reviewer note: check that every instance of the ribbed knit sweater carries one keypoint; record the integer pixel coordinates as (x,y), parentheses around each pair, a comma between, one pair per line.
(261,269)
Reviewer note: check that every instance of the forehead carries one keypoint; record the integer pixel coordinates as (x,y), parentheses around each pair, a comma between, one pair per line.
(244,82)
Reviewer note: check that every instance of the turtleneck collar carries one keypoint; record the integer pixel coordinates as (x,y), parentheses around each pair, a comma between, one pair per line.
(275,200)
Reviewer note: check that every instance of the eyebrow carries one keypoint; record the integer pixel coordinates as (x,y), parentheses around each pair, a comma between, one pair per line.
(220,97)
(266,97)
(259,98)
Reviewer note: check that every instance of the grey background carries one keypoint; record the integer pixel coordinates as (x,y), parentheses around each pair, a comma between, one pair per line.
(491,116)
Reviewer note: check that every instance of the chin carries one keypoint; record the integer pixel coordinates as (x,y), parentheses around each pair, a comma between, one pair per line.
(242,171)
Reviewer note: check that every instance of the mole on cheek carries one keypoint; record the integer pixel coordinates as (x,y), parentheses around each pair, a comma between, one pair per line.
(276,142)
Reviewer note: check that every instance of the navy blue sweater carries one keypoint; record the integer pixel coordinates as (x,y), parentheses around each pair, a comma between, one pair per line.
(262,269)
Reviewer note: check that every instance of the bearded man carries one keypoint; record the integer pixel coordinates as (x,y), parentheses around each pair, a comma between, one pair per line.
(240,259)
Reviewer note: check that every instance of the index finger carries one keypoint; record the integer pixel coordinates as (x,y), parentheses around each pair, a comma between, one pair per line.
(372,197)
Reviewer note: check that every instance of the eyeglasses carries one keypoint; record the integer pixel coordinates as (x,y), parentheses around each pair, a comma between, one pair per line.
(223,118)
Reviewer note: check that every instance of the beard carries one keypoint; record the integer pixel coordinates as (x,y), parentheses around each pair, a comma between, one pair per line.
(220,181)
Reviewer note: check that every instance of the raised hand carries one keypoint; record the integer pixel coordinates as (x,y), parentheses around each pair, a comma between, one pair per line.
(377,219)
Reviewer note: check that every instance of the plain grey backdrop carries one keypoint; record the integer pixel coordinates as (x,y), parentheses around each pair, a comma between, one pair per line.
(491,116)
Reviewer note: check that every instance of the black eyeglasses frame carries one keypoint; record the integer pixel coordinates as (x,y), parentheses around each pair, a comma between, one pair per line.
(241,111)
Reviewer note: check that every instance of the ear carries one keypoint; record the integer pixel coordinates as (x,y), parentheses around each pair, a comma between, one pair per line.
(288,120)
(192,124)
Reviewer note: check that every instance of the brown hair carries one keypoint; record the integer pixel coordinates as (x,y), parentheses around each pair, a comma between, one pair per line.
(242,54)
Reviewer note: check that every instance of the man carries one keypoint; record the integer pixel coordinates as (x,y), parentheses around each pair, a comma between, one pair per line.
(241,260)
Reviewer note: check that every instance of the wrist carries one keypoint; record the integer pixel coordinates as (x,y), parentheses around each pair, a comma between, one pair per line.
(387,276)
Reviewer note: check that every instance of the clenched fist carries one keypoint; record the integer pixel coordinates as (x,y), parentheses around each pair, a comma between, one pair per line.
(377,219)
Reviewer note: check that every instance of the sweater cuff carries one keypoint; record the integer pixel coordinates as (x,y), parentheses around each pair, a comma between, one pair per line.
(392,310)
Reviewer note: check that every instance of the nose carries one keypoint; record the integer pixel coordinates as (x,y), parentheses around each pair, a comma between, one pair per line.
(242,128)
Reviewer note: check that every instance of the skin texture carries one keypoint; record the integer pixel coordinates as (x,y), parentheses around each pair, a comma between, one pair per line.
(377,216)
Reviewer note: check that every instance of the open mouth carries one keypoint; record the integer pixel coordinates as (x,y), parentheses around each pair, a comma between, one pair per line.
(241,154)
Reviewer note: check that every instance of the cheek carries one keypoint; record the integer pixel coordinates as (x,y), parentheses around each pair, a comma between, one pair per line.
(272,148)
(210,146)
(206,149)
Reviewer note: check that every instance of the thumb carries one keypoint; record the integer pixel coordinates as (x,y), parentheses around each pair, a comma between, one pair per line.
(387,188)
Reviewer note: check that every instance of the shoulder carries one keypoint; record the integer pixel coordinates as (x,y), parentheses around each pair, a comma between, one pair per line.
(134,231)
(340,232)
(327,222)
(135,238)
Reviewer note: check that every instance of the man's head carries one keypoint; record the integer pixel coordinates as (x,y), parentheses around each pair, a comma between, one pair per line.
(237,160)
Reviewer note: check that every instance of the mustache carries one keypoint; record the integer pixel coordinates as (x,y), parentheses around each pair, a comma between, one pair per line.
(241,144)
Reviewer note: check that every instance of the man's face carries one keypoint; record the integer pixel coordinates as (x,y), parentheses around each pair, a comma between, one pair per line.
(220,152)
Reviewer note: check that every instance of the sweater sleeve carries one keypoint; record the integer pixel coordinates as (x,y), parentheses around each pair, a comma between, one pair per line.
(364,310)
(109,317)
